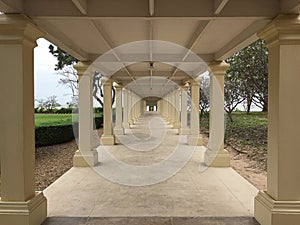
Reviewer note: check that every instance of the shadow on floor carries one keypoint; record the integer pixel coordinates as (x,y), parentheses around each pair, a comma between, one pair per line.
(151,221)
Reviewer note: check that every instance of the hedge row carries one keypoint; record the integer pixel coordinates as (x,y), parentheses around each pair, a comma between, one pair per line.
(51,135)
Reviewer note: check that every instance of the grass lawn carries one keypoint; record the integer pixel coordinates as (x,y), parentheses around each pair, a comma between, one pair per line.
(55,119)
(248,129)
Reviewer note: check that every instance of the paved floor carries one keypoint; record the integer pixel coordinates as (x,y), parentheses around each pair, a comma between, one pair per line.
(156,177)
(152,221)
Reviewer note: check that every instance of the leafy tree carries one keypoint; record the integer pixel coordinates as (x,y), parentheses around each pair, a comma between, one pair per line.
(69,76)
(251,66)
(204,94)
(233,95)
(63,58)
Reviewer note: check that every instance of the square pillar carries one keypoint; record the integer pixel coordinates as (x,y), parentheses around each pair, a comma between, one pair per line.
(184,130)
(216,155)
(119,130)
(20,204)
(86,155)
(194,137)
(280,204)
(176,109)
(107,137)
(130,108)
(125,109)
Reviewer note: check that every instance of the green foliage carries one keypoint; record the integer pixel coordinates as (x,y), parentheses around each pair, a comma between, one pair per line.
(54,129)
(51,135)
(247,76)
(43,120)
(63,58)
(247,129)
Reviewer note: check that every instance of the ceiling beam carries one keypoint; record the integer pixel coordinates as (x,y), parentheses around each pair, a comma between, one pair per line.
(138,8)
(62,41)
(242,40)
(290,6)
(202,27)
(11,6)
(151,7)
(81,5)
(219,5)
(100,30)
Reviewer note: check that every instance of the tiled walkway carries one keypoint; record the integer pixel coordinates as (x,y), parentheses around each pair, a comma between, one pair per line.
(138,188)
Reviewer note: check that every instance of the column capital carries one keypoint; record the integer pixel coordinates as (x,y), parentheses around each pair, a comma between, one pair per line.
(18,29)
(284,29)
(218,68)
(82,68)
(185,86)
(106,81)
(118,87)
(194,82)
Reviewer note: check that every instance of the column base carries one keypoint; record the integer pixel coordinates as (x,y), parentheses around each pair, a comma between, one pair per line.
(268,211)
(217,159)
(184,131)
(195,140)
(126,125)
(176,125)
(31,212)
(119,131)
(107,140)
(85,159)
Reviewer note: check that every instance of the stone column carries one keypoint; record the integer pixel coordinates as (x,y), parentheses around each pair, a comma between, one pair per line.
(280,204)
(86,155)
(184,130)
(176,109)
(194,137)
(19,203)
(129,108)
(169,109)
(216,155)
(107,137)
(119,130)
(125,109)
(172,109)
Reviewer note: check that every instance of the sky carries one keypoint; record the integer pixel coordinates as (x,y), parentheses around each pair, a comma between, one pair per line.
(45,77)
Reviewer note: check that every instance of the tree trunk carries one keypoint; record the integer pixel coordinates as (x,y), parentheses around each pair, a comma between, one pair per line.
(230,116)
(249,103)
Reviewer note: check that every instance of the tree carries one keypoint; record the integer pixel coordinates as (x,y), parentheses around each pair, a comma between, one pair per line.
(69,78)
(48,105)
(233,95)
(204,94)
(63,58)
(251,66)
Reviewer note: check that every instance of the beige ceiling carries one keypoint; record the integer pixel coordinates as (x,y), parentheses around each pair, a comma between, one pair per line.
(212,29)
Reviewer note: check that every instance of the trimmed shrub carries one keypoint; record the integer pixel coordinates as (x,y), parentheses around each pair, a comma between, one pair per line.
(51,135)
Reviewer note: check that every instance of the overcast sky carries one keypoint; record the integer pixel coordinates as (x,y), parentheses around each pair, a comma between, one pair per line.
(45,77)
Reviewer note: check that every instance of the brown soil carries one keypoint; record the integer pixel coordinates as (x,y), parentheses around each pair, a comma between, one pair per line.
(250,166)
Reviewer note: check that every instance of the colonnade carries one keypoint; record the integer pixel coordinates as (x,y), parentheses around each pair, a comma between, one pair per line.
(173,107)
(21,204)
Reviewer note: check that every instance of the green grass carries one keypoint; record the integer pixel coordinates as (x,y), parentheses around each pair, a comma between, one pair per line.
(247,129)
(254,119)
(42,120)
